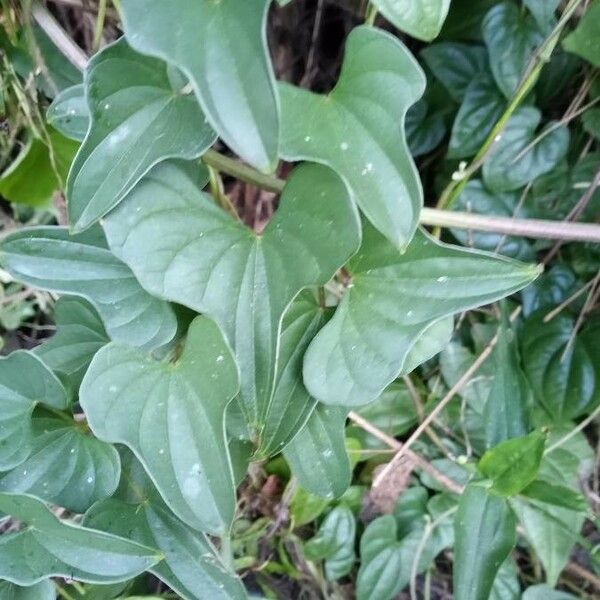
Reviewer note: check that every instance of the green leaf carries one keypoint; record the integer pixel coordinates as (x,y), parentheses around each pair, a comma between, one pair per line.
(79,335)
(222,49)
(506,584)
(66,467)
(585,40)
(475,198)
(50,258)
(432,341)
(191,565)
(317,455)
(69,113)
(393,298)
(507,407)
(358,129)
(422,19)
(49,547)
(184,248)
(515,162)
(306,507)
(172,417)
(424,129)
(561,374)
(481,108)
(485,533)
(545,592)
(464,20)
(511,35)
(455,65)
(393,412)
(543,12)
(140,115)
(25,382)
(513,464)
(553,287)
(40,591)
(334,542)
(32,178)
(591,122)
(557,495)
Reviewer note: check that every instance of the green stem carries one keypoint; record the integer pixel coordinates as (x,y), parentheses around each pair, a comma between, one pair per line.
(227,552)
(100,19)
(529,79)
(371,14)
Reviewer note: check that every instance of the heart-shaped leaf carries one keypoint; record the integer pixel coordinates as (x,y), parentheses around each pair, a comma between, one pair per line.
(422,19)
(172,416)
(69,113)
(485,533)
(65,467)
(481,108)
(317,455)
(517,159)
(358,129)
(184,248)
(49,258)
(222,49)
(392,299)
(511,35)
(191,566)
(455,65)
(48,547)
(141,114)
(584,40)
(79,335)
(561,371)
(25,382)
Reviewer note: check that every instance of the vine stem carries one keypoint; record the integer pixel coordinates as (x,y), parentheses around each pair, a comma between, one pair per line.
(528,80)
(532,228)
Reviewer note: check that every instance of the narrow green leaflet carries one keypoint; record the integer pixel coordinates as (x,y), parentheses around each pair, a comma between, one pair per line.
(481,108)
(585,40)
(184,248)
(191,565)
(358,129)
(506,584)
(24,382)
(32,178)
(172,416)
(475,198)
(561,374)
(291,404)
(422,19)
(518,158)
(513,464)
(455,65)
(48,547)
(69,113)
(507,407)
(49,258)
(79,335)
(393,298)
(66,467)
(511,35)
(334,542)
(140,115)
(222,49)
(485,533)
(44,590)
(556,495)
(317,455)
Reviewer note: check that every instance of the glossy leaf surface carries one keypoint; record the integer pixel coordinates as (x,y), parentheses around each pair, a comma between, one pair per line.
(392,299)
(69,113)
(49,258)
(140,115)
(358,129)
(44,590)
(185,249)
(222,49)
(49,547)
(172,416)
